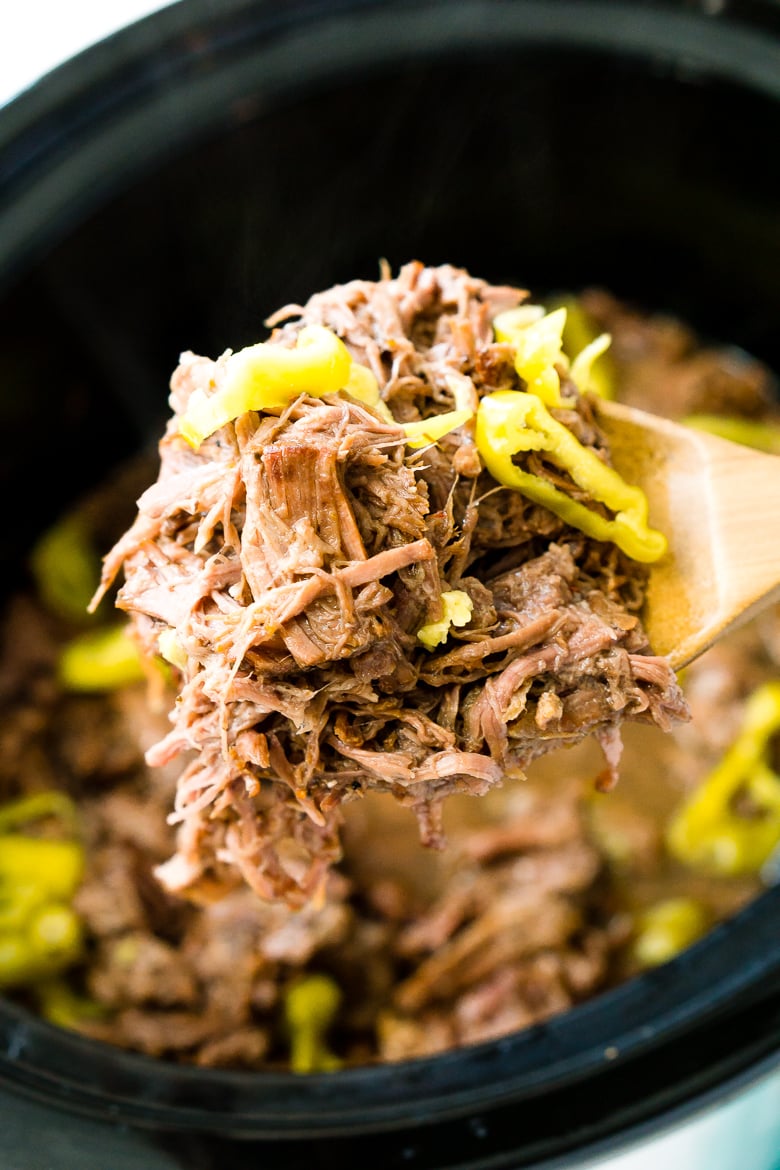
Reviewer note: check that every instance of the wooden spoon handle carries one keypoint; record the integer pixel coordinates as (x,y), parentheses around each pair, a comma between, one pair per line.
(742,512)
(719,505)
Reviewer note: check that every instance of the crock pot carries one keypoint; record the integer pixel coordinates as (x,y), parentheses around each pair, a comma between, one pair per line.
(166,189)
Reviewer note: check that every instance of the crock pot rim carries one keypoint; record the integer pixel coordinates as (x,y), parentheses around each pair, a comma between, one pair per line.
(75,78)
(659,1005)
(42,127)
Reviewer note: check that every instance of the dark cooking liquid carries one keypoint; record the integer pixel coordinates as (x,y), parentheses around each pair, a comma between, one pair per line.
(381,837)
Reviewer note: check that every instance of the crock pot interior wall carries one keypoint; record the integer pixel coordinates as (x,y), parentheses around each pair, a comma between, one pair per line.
(545,162)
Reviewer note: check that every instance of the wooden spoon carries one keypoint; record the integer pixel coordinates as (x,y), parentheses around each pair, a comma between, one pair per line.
(718,503)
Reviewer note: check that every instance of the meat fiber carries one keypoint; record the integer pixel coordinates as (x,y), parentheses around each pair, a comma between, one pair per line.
(296,554)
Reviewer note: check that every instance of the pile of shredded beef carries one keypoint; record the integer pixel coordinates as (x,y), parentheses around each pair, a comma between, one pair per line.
(296,554)
(519,919)
(528,912)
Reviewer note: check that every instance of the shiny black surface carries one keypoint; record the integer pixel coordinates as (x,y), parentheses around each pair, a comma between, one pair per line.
(174,185)
(627,1063)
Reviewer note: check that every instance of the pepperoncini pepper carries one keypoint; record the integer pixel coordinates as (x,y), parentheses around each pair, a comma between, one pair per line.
(709,831)
(430,430)
(537,339)
(36,806)
(591,366)
(512,421)
(60,1005)
(268,377)
(171,649)
(310,1006)
(40,932)
(560,339)
(66,568)
(666,928)
(764,436)
(457,608)
(586,371)
(101,660)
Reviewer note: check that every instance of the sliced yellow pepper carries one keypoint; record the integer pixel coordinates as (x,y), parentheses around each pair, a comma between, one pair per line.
(457,610)
(591,367)
(66,568)
(310,1006)
(764,436)
(538,348)
(60,1005)
(586,370)
(101,660)
(666,928)
(511,421)
(54,866)
(36,806)
(363,386)
(52,942)
(268,377)
(171,649)
(18,903)
(17,963)
(429,430)
(55,936)
(40,933)
(708,831)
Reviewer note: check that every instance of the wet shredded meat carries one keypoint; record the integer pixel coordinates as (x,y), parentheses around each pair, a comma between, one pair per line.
(296,554)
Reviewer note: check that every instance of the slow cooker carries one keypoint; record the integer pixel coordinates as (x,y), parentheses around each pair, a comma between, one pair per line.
(164,189)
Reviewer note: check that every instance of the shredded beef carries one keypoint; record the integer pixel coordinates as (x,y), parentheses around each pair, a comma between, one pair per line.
(297,553)
(661,365)
(430,950)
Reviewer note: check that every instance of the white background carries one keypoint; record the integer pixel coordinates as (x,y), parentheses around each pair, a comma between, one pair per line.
(37,35)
